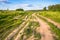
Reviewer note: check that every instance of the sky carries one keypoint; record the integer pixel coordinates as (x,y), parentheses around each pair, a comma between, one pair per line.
(27,4)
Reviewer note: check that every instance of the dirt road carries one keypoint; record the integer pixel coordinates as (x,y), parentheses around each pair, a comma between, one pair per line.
(44,29)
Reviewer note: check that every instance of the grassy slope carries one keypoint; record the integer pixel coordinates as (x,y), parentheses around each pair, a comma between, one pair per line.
(54,15)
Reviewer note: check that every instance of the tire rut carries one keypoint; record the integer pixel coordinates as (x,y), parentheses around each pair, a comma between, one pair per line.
(14,31)
(44,29)
(19,35)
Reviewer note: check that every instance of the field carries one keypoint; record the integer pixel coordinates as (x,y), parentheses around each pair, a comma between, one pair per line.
(53,19)
(54,15)
(29,25)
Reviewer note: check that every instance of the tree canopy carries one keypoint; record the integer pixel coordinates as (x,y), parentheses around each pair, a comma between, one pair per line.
(54,7)
(20,9)
(44,8)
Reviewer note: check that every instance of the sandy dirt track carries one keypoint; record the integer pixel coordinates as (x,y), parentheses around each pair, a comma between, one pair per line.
(44,29)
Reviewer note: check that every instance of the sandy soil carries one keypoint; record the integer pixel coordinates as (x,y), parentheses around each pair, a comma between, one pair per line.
(31,38)
(21,31)
(44,29)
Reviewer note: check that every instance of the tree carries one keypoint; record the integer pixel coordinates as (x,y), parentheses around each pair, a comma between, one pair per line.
(44,8)
(19,9)
(54,7)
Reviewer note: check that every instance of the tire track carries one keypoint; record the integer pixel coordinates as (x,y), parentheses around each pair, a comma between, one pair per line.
(14,32)
(22,30)
(44,29)
(19,35)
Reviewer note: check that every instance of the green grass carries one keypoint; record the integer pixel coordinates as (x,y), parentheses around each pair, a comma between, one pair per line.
(37,35)
(55,30)
(8,23)
(31,30)
(54,15)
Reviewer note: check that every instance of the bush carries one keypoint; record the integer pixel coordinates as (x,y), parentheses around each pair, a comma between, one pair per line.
(20,9)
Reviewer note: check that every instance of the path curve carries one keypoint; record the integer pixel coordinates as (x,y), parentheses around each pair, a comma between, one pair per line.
(44,29)
(49,20)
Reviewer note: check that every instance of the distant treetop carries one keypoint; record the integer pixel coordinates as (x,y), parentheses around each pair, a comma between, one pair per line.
(20,9)
(54,7)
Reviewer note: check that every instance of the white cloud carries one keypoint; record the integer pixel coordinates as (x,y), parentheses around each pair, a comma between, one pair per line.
(24,6)
(4,2)
(33,7)
(15,6)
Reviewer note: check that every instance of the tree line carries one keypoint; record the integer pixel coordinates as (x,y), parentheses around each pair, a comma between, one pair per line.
(50,8)
(53,7)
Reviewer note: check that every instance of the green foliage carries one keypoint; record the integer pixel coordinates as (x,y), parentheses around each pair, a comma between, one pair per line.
(54,7)
(20,9)
(28,31)
(44,9)
(8,22)
(55,30)
(55,16)
(37,35)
